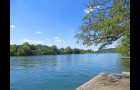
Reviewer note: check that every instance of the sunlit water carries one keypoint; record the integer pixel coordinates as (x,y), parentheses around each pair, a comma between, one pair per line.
(61,72)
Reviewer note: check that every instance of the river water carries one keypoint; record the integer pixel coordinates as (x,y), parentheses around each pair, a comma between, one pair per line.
(61,72)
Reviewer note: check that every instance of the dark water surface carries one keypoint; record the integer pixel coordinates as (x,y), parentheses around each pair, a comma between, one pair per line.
(61,72)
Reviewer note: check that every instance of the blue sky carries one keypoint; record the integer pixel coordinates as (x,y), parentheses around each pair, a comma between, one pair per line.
(47,22)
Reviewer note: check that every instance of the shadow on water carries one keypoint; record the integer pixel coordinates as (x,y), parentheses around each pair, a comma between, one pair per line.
(125,64)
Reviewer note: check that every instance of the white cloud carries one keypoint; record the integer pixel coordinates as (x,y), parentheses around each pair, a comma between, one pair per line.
(86,11)
(90,9)
(56,38)
(26,40)
(12,26)
(98,6)
(31,41)
(38,42)
(49,44)
(38,32)
(47,39)
(11,42)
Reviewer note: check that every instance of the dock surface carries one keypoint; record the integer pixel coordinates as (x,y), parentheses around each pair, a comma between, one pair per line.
(106,81)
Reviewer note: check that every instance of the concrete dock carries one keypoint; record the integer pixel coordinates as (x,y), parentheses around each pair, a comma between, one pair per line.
(106,81)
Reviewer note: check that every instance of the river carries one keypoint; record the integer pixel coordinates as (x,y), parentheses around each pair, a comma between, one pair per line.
(61,72)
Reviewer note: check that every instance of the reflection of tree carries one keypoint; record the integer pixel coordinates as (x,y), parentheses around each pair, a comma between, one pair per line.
(52,61)
(37,61)
(125,63)
(25,64)
(69,58)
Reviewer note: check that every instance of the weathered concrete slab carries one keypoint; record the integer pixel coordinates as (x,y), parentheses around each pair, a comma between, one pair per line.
(106,81)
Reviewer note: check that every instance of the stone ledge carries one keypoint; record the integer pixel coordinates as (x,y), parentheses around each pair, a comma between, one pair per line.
(106,81)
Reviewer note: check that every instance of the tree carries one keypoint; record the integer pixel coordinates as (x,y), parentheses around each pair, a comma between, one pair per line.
(106,22)
(20,52)
(54,49)
(68,50)
(13,49)
(75,51)
(61,51)
(26,48)
(124,46)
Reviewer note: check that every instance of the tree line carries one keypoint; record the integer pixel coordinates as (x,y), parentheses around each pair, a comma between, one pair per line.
(112,50)
(27,49)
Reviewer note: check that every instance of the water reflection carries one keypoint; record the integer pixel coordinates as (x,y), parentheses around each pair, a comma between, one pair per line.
(125,64)
(61,72)
(33,62)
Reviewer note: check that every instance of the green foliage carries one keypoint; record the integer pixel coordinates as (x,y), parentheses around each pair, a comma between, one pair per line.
(20,52)
(13,49)
(76,51)
(26,49)
(124,46)
(68,50)
(106,24)
(54,49)
(112,50)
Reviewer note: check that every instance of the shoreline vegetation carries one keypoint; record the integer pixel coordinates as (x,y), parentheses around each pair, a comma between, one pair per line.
(27,49)
(125,57)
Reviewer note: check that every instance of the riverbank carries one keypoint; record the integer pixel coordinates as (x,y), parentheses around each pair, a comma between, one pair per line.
(124,57)
(106,81)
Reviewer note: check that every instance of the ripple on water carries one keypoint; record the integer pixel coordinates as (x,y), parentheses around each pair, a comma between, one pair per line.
(61,72)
